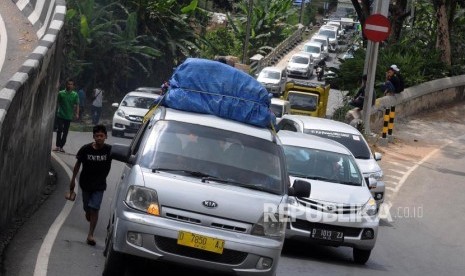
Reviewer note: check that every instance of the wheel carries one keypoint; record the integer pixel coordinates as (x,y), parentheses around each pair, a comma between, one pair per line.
(117,133)
(361,256)
(114,261)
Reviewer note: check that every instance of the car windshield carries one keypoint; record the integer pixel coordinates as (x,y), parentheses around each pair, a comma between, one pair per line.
(270,74)
(137,102)
(322,41)
(322,165)
(307,102)
(328,33)
(312,49)
(300,59)
(355,143)
(224,156)
(277,110)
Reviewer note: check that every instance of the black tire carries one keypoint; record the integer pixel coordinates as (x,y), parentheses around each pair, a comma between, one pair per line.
(114,261)
(361,256)
(116,133)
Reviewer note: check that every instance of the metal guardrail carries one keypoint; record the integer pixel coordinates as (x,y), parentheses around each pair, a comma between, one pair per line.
(258,62)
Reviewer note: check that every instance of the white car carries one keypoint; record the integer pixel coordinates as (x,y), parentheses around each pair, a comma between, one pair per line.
(315,49)
(340,210)
(348,136)
(301,65)
(130,113)
(331,33)
(274,80)
(324,41)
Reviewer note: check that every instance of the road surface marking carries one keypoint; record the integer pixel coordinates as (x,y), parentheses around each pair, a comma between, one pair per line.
(43,256)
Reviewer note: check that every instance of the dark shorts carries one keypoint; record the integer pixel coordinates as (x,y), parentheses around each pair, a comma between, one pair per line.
(92,200)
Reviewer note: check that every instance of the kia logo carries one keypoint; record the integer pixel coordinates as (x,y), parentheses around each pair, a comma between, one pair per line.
(210,204)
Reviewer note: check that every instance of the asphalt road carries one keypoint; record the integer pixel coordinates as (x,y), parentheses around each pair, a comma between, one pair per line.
(17,40)
(421,235)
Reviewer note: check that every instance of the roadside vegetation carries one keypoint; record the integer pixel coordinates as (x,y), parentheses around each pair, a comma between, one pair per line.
(123,44)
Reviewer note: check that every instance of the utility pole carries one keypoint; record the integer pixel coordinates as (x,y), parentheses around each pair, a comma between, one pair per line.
(301,17)
(247,32)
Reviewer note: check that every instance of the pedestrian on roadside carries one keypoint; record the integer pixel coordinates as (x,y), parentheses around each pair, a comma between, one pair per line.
(82,103)
(97,103)
(67,106)
(399,76)
(392,84)
(96,164)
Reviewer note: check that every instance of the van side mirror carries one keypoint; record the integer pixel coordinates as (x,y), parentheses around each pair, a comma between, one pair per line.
(121,153)
(372,183)
(300,188)
(378,156)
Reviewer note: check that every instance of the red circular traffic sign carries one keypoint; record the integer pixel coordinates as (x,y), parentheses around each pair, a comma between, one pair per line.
(377,27)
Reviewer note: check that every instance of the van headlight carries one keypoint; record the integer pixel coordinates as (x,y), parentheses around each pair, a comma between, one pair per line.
(143,199)
(270,225)
(370,208)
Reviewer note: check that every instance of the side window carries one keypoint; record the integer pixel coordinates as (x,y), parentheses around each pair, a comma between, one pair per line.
(145,126)
(287,125)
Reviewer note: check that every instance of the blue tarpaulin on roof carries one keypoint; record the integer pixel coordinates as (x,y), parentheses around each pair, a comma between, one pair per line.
(212,87)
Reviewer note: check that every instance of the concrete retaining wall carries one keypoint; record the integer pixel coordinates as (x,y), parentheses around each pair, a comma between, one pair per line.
(27,110)
(426,96)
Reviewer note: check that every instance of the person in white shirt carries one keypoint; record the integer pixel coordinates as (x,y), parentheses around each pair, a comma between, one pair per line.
(97,100)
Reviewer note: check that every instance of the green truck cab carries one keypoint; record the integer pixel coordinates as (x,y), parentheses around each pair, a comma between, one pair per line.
(307,98)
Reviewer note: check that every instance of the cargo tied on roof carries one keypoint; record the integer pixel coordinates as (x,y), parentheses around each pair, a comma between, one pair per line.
(211,87)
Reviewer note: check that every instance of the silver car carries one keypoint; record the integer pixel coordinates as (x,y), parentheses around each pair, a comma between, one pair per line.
(340,210)
(202,191)
(348,136)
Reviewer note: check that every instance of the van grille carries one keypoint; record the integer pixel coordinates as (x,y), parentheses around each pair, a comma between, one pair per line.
(231,257)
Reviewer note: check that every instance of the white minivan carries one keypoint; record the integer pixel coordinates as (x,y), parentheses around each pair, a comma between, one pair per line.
(332,33)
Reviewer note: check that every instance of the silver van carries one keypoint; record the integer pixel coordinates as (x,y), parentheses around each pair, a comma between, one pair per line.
(202,191)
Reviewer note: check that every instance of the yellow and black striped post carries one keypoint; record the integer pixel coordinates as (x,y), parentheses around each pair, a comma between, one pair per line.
(386,122)
(392,115)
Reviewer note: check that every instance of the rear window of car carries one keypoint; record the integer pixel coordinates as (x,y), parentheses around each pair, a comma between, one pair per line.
(355,143)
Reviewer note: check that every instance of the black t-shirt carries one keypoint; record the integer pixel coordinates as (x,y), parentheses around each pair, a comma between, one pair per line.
(96,164)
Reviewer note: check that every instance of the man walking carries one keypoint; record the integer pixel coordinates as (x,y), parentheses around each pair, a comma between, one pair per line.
(96,164)
(97,102)
(68,105)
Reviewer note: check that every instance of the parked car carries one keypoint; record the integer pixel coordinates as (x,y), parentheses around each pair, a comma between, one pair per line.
(315,49)
(193,191)
(331,33)
(340,210)
(348,136)
(301,65)
(324,41)
(130,113)
(153,90)
(280,108)
(274,80)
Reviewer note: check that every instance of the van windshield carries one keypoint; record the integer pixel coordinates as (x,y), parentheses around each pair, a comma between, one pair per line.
(301,101)
(233,157)
(312,49)
(328,33)
(322,41)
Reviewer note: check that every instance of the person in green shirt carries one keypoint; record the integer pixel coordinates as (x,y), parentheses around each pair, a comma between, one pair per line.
(68,107)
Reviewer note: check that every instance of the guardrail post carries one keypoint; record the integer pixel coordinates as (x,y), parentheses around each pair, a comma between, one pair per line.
(384,139)
(392,115)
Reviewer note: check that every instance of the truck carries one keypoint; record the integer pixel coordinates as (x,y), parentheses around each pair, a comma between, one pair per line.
(307,98)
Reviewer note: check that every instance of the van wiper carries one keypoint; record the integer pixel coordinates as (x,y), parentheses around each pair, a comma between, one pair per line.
(350,183)
(193,173)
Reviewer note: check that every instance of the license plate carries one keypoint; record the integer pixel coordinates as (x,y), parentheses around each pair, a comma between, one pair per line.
(329,235)
(201,242)
(134,125)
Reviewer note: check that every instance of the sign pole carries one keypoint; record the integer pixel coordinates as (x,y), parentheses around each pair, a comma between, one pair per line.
(375,30)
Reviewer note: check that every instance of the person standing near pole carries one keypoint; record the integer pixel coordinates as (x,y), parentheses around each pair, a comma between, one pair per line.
(68,105)
(82,103)
(97,102)
(96,164)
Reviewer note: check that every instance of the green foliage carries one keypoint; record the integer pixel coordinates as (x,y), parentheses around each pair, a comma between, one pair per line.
(221,42)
